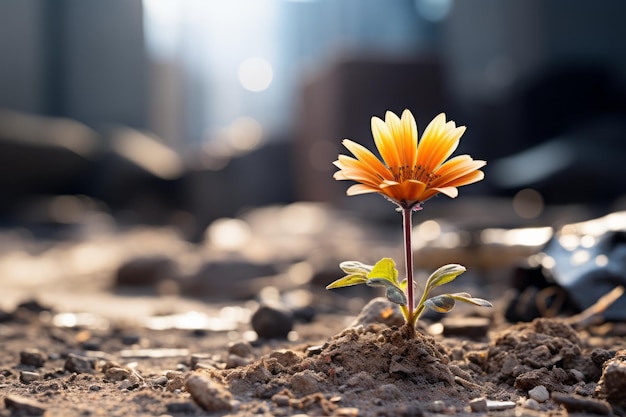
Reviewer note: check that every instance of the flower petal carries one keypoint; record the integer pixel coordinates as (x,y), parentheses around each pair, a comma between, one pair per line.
(439,141)
(358,189)
(385,142)
(366,156)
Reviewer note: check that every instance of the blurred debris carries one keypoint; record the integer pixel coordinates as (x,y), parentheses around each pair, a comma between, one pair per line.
(582,267)
(272,322)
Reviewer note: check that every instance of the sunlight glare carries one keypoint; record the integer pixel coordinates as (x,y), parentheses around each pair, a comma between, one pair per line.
(255,74)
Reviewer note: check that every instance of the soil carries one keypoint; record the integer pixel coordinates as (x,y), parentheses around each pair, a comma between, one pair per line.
(372,370)
(72,346)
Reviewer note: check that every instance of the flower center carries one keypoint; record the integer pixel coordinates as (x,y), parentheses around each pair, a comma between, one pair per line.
(418,173)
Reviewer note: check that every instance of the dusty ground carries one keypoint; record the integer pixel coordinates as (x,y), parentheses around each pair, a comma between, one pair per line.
(77,344)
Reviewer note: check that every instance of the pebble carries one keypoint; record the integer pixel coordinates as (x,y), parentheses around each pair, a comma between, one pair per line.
(78,364)
(160,380)
(28,377)
(207,393)
(499,405)
(531,404)
(242,349)
(235,361)
(281,400)
(117,374)
(184,407)
(437,406)
(539,394)
(379,310)
(23,406)
(470,327)
(32,357)
(576,403)
(145,271)
(479,405)
(272,322)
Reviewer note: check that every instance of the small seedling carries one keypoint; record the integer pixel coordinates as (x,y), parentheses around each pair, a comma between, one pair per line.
(409,174)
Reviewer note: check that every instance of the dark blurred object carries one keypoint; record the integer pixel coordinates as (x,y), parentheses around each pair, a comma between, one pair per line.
(42,156)
(568,142)
(580,264)
(339,102)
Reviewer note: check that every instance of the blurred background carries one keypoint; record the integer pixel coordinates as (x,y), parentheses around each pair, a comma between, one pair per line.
(188,112)
(181,112)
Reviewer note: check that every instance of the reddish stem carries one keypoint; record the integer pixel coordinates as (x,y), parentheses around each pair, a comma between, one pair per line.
(408,260)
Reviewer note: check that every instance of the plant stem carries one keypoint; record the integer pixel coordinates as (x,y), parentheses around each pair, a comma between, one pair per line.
(408,262)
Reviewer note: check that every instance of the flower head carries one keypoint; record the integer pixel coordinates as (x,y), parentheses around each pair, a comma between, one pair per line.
(410,172)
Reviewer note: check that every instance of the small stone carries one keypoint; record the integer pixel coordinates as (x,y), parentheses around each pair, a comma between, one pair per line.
(159,381)
(470,327)
(304,383)
(539,394)
(28,377)
(576,403)
(281,400)
(242,349)
(32,357)
(437,406)
(235,361)
(185,407)
(531,404)
(272,322)
(23,406)
(379,310)
(207,393)
(145,271)
(576,374)
(479,405)
(175,383)
(117,374)
(78,364)
(499,405)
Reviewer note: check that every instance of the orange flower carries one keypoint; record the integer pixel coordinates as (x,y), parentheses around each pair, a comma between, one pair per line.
(410,172)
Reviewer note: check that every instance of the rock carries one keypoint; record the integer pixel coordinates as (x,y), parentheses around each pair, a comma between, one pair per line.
(184,407)
(23,406)
(233,279)
(479,405)
(499,405)
(242,349)
(272,322)
(28,377)
(539,394)
(470,327)
(78,364)
(379,310)
(146,271)
(612,384)
(576,403)
(32,357)
(207,393)
(304,383)
(531,404)
(235,361)
(117,374)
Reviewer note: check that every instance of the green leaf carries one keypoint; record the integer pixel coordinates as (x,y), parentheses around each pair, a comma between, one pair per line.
(347,281)
(386,269)
(467,298)
(443,275)
(441,303)
(355,268)
(396,295)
